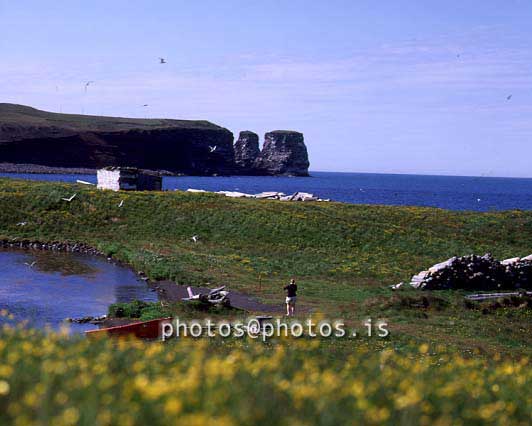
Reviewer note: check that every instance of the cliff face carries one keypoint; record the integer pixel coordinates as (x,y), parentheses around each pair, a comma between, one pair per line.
(31,136)
(284,153)
(247,150)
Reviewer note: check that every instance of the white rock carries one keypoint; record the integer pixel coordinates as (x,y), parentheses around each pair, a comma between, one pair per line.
(270,194)
(511,261)
(528,258)
(303,196)
(397,286)
(418,279)
(442,265)
(235,194)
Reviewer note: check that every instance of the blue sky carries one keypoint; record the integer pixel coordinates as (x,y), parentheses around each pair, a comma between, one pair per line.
(393,86)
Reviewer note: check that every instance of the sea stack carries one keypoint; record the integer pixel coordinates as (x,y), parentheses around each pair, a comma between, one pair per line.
(247,150)
(284,153)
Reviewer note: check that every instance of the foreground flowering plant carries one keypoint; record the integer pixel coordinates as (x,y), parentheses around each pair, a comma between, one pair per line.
(60,380)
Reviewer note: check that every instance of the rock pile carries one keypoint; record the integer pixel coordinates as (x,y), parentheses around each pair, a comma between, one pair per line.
(52,246)
(476,273)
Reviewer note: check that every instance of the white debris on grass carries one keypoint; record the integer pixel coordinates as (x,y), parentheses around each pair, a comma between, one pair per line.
(397,286)
(271,195)
(303,196)
(267,195)
(235,194)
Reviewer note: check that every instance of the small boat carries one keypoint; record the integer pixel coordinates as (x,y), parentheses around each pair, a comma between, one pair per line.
(141,329)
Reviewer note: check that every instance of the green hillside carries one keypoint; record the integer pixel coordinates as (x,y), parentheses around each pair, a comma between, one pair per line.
(20,115)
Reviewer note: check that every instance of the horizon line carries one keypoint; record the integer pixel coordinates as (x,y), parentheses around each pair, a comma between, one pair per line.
(420,174)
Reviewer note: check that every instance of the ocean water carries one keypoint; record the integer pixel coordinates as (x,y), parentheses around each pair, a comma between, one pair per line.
(447,192)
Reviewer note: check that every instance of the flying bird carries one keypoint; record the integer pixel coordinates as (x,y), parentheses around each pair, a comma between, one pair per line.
(145,105)
(69,199)
(31,265)
(87,84)
(22,223)
(162,61)
(121,203)
(213,148)
(509,97)
(195,238)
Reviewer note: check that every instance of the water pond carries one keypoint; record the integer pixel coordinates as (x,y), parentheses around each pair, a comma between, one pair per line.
(43,288)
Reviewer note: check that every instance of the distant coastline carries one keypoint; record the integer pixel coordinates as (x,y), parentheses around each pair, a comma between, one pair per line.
(77,143)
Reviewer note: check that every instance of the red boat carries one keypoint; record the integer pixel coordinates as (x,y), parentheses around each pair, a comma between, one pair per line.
(142,329)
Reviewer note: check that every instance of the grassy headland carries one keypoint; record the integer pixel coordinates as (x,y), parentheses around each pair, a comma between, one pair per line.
(344,256)
(22,115)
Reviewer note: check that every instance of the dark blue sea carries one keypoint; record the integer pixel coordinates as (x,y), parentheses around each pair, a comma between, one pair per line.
(446,192)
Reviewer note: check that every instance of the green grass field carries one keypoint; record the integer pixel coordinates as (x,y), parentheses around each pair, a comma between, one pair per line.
(343,256)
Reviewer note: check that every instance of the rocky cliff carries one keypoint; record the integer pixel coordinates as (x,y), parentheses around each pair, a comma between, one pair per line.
(247,150)
(284,153)
(32,137)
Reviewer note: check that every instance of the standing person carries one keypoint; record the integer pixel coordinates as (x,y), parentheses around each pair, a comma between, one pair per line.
(291,295)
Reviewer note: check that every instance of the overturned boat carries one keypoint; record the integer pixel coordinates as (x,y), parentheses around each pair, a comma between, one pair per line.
(141,329)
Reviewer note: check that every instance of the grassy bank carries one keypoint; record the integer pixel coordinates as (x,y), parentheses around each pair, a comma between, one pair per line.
(344,256)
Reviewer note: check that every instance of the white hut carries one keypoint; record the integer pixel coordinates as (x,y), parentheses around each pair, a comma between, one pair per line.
(128,179)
